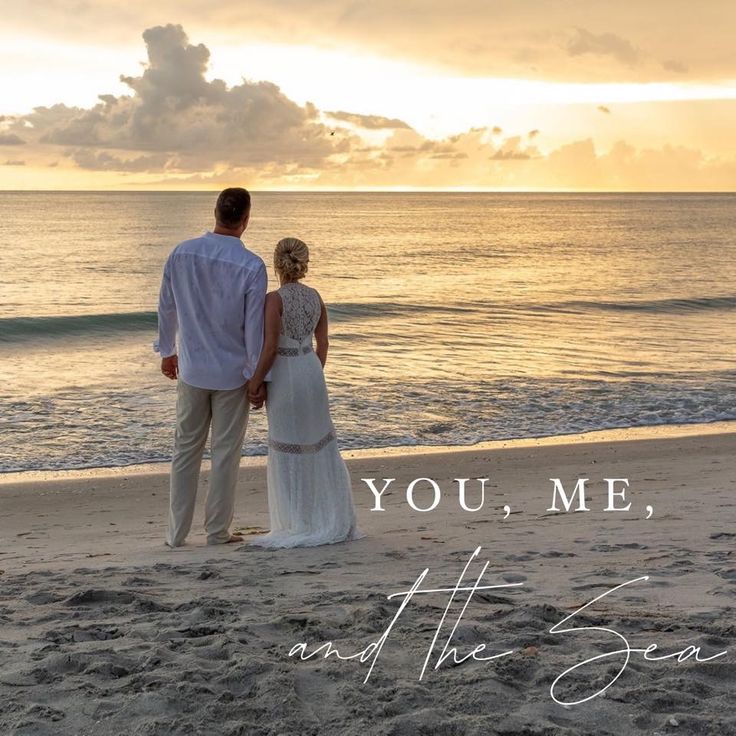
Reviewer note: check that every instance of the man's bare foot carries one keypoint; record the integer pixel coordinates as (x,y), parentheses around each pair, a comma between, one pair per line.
(233,539)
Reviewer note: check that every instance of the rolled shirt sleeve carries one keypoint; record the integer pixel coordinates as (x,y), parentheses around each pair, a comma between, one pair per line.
(167,320)
(255,301)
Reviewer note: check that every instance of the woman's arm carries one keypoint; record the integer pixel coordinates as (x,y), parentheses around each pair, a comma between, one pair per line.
(321,335)
(271,331)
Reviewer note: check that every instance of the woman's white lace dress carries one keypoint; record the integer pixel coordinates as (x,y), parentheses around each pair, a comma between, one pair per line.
(309,495)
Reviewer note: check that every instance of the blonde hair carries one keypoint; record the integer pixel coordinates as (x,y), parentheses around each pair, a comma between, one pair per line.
(291,258)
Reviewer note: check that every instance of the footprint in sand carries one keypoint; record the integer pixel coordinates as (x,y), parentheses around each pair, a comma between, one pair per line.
(102,597)
(395,555)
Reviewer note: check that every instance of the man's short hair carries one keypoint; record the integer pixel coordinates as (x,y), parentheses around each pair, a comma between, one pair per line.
(232,206)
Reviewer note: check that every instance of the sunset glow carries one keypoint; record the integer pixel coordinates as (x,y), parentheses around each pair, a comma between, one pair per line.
(554,106)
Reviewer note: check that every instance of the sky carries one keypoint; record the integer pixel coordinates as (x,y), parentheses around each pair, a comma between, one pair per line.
(347,94)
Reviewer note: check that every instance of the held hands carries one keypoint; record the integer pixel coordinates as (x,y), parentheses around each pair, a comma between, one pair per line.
(256,394)
(170,367)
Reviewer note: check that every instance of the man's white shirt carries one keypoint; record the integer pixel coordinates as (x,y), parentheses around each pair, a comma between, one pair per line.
(210,311)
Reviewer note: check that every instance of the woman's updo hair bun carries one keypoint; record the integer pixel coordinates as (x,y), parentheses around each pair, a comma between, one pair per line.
(291,258)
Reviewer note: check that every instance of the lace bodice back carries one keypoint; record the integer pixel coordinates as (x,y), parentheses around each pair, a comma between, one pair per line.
(301,309)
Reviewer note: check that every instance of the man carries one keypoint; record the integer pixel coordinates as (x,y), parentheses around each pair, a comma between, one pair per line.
(212,294)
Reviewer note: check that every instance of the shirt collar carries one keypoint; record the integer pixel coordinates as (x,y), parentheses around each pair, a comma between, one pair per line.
(210,234)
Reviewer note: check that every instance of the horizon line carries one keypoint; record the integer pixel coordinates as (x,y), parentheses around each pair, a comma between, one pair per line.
(374,191)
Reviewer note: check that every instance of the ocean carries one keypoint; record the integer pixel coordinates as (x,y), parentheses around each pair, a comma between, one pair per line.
(455,318)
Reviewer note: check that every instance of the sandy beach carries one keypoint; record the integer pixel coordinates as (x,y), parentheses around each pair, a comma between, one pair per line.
(107,631)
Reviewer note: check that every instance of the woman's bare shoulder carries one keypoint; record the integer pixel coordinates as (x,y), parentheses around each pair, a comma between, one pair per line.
(273,300)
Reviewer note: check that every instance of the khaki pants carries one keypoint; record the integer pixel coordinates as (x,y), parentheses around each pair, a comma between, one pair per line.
(196,410)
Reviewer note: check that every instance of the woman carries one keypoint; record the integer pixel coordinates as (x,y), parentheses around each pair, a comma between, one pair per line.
(309,494)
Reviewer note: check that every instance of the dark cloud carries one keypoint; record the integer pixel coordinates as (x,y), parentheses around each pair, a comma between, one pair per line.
(180,119)
(11,139)
(178,123)
(370,122)
(533,133)
(603,44)
(603,108)
(14,162)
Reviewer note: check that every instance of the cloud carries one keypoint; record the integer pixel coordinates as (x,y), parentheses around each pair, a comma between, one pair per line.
(577,165)
(512,150)
(406,158)
(14,162)
(178,128)
(603,108)
(182,120)
(673,65)
(525,38)
(478,159)
(11,139)
(104,161)
(369,122)
(502,155)
(603,44)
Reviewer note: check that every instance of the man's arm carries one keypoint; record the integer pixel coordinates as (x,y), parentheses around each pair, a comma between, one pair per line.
(167,324)
(255,300)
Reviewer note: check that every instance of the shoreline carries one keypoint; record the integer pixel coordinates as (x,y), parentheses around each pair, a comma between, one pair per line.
(69,516)
(617,434)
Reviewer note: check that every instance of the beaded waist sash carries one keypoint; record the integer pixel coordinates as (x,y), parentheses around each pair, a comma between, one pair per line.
(292,352)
